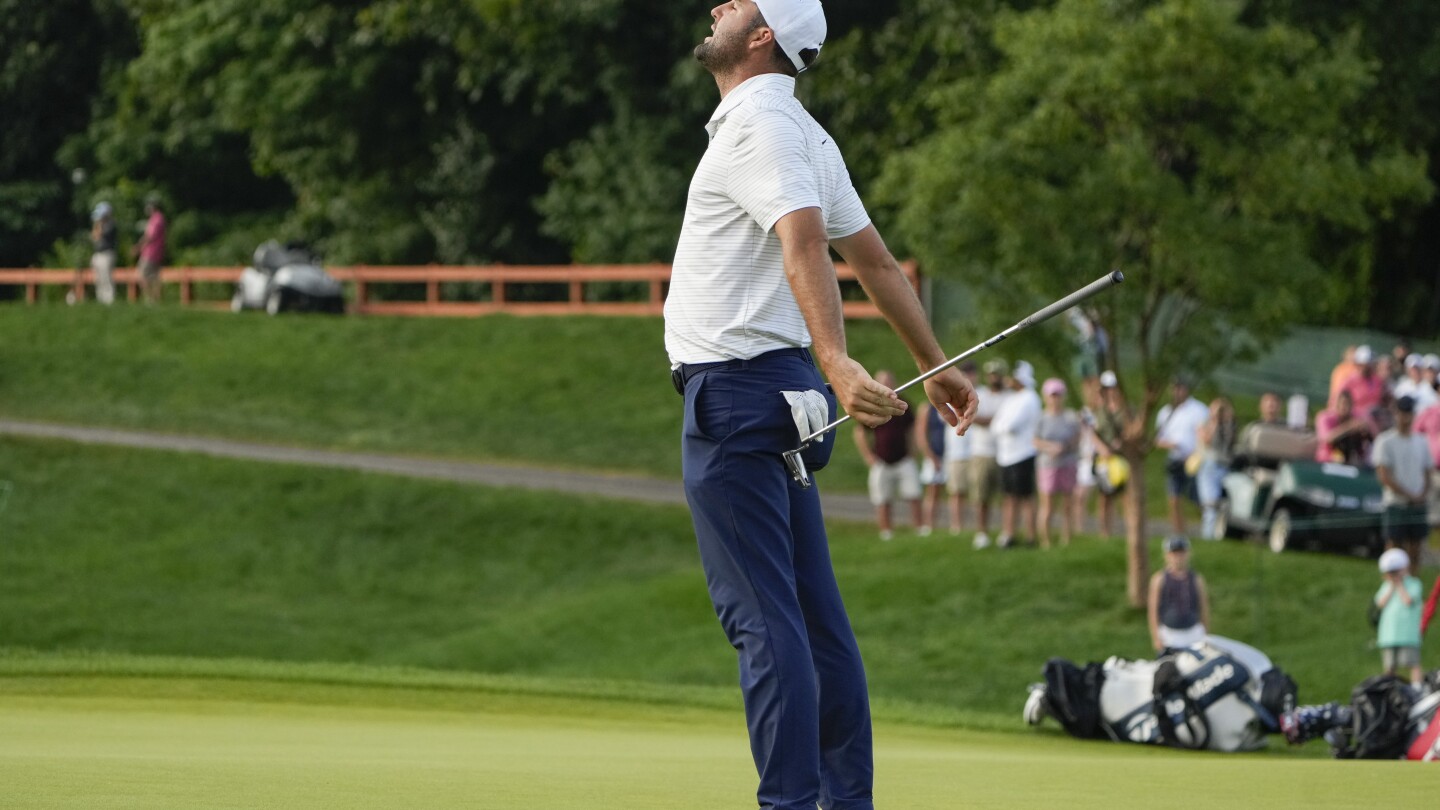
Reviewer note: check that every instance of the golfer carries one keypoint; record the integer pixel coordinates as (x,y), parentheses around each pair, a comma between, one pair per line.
(752,291)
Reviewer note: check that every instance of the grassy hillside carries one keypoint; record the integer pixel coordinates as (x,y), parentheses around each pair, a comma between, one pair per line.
(134,552)
(582,392)
(591,392)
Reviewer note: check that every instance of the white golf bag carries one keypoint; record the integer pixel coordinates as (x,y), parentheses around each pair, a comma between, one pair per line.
(1218,695)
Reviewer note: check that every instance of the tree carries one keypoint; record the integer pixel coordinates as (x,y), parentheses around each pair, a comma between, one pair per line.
(53,57)
(1203,157)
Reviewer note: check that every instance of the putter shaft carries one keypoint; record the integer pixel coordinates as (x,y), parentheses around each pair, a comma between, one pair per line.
(1044,314)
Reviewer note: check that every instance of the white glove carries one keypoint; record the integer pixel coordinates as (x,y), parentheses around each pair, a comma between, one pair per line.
(810,410)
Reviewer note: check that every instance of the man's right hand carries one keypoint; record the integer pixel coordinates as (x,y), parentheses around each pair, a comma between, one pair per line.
(865,400)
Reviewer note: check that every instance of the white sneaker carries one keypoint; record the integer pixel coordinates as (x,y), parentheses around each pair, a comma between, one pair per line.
(923,531)
(1005,541)
(982,540)
(886,534)
(1035,704)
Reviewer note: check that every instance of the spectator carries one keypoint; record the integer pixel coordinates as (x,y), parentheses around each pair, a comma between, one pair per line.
(930,430)
(1414,384)
(1343,436)
(1271,409)
(1398,353)
(1175,428)
(1365,386)
(1402,461)
(984,471)
(1427,424)
(1014,429)
(1215,440)
(957,462)
(1057,446)
(887,452)
(1112,471)
(1432,370)
(1387,371)
(1179,604)
(1430,604)
(1085,467)
(151,249)
(102,256)
(1398,600)
(1343,370)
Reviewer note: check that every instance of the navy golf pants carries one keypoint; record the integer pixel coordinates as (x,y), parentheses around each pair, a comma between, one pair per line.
(767,564)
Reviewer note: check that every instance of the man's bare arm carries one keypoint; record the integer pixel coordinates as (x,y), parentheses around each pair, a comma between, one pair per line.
(884,281)
(812,281)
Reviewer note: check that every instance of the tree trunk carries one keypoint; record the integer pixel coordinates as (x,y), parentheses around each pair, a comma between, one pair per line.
(1137,551)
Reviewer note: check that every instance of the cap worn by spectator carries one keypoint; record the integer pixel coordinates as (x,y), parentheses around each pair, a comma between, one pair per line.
(1364,356)
(1025,374)
(799,25)
(101,211)
(1177,542)
(1412,360)
(1405,404)
(969,367)
(1183,380)
(1394,560)
(1109,380)
(997,366)
(1432,362)
(1054,385)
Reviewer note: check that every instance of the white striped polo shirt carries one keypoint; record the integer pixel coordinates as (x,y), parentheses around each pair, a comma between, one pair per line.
(729,297)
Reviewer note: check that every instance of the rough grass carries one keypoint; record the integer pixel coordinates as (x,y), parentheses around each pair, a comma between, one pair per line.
(138,552)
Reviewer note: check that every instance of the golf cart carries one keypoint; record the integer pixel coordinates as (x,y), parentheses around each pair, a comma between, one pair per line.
(1276,488)
(287,278)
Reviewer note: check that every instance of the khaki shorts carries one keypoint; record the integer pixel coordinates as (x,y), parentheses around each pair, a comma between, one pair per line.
(957,476)
(891,482)
(148,269)
(1398,658)
(984,478)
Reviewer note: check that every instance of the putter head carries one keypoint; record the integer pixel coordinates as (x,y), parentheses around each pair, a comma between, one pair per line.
(796,464)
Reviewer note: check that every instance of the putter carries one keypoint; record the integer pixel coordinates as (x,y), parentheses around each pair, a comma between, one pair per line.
(796,464)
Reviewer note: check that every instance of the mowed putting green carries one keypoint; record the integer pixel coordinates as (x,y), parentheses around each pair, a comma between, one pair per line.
(100,742)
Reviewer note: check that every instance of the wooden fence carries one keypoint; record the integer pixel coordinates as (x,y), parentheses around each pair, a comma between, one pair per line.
(438,300)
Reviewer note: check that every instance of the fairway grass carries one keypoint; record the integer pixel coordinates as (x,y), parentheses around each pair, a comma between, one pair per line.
(101,741)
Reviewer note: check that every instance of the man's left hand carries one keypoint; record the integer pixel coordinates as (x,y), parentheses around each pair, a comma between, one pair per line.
(954,397)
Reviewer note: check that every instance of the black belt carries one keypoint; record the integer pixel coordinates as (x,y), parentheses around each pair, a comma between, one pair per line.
(682,373)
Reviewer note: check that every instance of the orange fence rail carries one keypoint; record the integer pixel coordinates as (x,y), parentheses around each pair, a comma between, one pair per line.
(361,280)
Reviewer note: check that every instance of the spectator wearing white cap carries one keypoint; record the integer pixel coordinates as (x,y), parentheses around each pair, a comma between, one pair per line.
(102,255)
(1397,633)
(1366,387)
(1014,429)
(1106,427)
(1415,385)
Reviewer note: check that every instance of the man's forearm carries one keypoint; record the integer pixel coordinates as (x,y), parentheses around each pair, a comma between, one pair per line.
(812,282)
(892,294)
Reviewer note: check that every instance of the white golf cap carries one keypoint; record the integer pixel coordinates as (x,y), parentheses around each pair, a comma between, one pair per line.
(1414,360)
(1363,355)
(798,25)
(1108,379)
(1024,374)
(1432,362)
(1394,560)
(101,210)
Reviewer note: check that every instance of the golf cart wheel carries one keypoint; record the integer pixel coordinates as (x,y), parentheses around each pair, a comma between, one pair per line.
(1281,531)
(277,301)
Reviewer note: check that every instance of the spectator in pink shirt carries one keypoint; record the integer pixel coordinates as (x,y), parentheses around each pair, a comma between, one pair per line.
(1366,388)
(1344,436)
(151,250)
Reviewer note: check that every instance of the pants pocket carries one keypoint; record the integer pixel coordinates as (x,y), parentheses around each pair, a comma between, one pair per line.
(817,455)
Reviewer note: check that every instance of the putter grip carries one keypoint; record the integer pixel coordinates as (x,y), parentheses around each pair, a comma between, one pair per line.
(1099,284)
